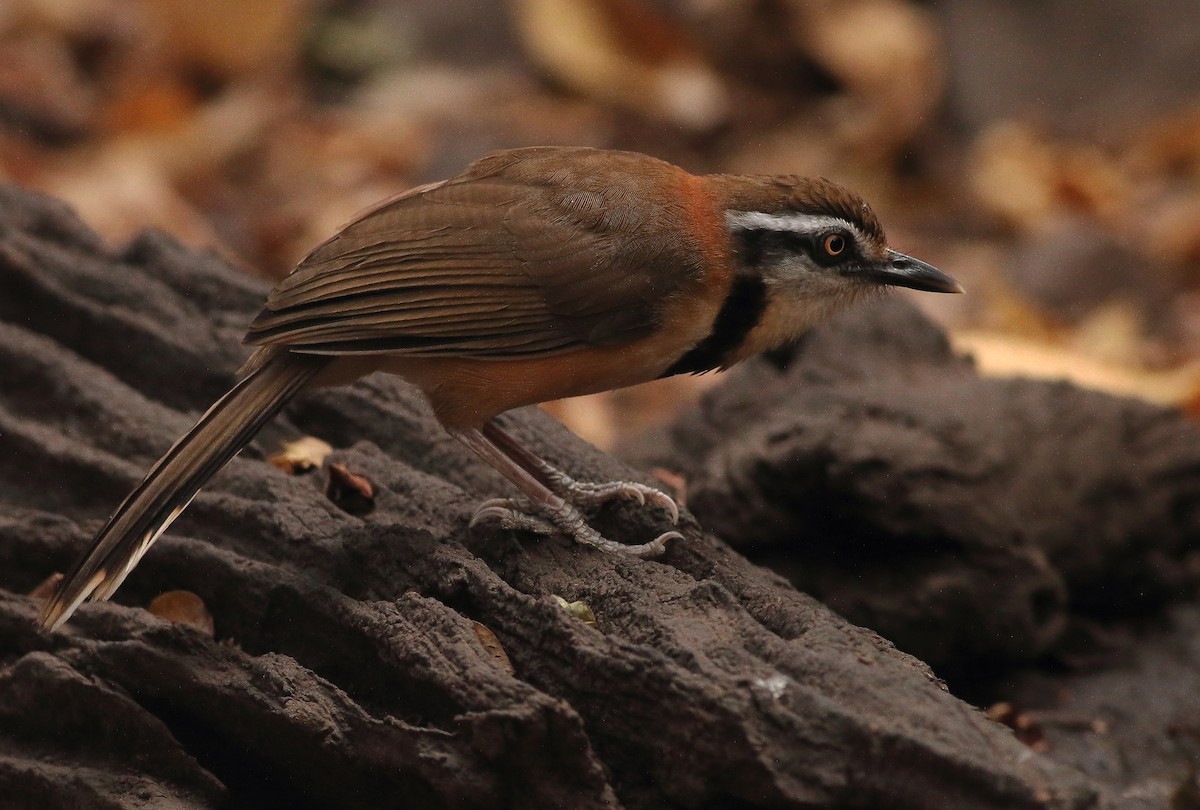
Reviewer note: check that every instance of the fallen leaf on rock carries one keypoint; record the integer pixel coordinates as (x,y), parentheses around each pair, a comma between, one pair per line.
(183,607)
(301,456)
(351,492)
(493,647)
(578,610)
(1026,727)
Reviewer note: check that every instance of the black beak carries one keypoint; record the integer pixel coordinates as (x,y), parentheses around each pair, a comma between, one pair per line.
(898,270)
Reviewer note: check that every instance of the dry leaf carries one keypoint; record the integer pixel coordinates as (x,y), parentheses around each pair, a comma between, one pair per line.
(156,104)
(183,607)
(1111,333)
(230,37)
(1002,355)
(351,492)
(1026,727)
(624,52)
(886,54)
(123,188)
(493,647)
(301,456)
(578,610)
(1030,181)
(1170,145)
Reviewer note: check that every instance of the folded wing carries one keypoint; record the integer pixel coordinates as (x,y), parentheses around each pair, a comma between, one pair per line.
(486,267)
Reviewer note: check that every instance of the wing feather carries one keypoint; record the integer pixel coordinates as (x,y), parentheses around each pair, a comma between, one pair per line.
(485,265)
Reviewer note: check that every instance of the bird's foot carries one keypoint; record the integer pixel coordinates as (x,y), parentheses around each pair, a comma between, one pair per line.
(586,494)
(524,515)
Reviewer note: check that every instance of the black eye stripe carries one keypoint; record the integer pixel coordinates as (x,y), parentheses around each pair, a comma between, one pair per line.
(758,245)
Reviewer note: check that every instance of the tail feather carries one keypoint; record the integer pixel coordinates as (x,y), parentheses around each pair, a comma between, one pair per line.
(171,484)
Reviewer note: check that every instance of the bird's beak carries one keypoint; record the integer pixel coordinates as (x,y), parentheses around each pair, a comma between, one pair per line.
(898,270)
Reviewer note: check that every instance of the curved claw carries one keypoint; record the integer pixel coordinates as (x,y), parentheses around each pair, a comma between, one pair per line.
(511,513)
(665,501)
(656,497)
(497,503)
(488,513)
(493,508)
(631,490)
(656,546)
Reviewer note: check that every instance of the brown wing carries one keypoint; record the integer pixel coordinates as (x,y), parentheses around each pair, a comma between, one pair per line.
(490,266)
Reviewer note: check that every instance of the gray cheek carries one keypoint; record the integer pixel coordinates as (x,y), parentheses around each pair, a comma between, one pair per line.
(802,281)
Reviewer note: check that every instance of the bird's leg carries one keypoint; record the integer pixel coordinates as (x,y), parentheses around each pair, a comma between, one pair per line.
(543,511)
(577,492)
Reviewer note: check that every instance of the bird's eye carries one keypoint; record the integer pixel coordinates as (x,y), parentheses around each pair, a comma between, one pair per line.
(834,244)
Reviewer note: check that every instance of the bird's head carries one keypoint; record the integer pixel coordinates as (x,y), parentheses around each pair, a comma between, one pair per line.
(819,239)
(805,248)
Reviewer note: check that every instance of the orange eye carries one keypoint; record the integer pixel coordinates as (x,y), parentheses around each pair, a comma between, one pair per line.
(834,244)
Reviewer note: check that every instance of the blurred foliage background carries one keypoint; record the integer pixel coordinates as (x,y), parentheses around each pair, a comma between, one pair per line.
(1045,152)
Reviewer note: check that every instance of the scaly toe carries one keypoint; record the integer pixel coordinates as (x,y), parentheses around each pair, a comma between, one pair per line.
(666,502)
(586,494)
(511,514)
(517,514)
(654,497)
(496,508)
(655,547)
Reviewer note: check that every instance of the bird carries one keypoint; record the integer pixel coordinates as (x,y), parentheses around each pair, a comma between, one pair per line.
(536,274)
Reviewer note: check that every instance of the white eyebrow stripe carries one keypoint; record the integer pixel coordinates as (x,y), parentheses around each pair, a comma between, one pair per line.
(795,222)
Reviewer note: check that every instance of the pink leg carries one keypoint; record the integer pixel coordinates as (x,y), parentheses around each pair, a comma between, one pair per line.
(578,493)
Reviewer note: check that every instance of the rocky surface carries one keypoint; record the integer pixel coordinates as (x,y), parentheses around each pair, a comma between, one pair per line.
(357,658)
(968,519)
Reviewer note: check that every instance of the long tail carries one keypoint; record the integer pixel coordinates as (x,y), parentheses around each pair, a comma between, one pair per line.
(169,487)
